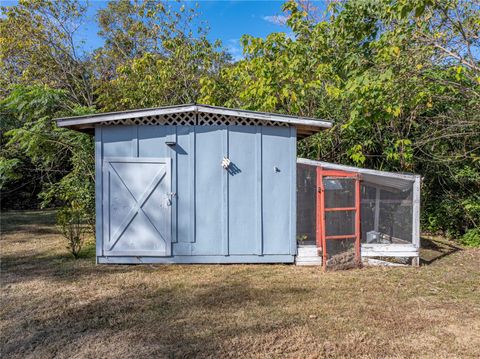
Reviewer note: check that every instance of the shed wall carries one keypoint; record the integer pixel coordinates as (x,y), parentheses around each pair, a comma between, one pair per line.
(245,214)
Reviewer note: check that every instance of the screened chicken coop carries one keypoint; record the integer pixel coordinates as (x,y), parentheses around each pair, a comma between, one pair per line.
(351,215)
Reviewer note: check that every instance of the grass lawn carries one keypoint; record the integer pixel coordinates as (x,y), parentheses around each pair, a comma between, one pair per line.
(54,306)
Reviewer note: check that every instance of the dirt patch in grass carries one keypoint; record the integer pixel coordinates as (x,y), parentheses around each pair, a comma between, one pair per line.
(54,306)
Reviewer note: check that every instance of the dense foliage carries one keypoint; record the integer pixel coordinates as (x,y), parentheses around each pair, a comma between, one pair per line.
(400,79)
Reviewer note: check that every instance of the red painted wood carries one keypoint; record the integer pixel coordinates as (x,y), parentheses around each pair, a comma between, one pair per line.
(338,173)
(321,230)
(343,236)
(357,221)
(319,238)
(340,209)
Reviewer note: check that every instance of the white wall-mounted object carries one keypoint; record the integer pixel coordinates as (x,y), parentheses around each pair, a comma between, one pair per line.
(226,162)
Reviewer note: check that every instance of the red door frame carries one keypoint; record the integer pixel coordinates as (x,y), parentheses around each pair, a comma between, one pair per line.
(321,237)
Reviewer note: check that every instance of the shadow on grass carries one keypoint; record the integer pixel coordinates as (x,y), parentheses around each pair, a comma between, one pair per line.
(53,266)
(433,250)
(167,321)
(34,222)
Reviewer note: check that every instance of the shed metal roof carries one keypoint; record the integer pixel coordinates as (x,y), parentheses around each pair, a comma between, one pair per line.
(305,126)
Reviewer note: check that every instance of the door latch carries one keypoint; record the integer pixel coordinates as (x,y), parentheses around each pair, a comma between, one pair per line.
(170,197)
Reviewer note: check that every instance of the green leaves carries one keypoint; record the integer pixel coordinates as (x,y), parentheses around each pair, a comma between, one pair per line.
(397,101)
(59,162)
(400,79)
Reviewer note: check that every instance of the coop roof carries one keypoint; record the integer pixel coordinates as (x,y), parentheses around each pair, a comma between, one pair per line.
(391,180)
(194,114)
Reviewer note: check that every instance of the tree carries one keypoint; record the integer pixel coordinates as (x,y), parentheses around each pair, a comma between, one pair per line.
(60,161)
(400,80)
(153,55)
(39,46)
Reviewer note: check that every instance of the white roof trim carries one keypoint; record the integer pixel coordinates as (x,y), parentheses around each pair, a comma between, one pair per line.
(121,115)
(409,177)
(89,120)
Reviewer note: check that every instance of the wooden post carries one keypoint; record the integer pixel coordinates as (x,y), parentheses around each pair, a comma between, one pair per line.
(318,234)
(357,220)
(377,210)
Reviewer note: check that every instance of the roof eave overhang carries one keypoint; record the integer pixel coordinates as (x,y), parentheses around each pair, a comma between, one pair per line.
(305,126)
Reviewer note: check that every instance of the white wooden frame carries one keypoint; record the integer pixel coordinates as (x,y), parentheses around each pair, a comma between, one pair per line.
(378,249)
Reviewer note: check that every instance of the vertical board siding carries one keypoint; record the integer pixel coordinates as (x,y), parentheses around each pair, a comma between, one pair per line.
(293,190)
(242,190)
(247,210)
(276,197)
(151,141)
(209,199)
(225,194)
(258,192)
(185,187)
(118,141)
(135,148)
(98,192)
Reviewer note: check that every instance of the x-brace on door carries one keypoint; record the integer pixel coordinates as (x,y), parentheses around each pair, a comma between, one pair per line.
(137,206)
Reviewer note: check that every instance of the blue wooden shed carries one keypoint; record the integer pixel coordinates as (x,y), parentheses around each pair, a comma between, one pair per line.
(195,184)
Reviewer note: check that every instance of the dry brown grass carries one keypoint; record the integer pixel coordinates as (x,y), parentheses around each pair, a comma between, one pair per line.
(54,306)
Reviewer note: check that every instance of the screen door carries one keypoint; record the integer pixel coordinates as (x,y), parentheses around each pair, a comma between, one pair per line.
(338,218)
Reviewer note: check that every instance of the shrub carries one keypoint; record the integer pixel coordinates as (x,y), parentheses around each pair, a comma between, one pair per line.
(471,238)
(73,225)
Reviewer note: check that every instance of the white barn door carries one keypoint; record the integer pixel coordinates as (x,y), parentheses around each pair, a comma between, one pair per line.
(137,206)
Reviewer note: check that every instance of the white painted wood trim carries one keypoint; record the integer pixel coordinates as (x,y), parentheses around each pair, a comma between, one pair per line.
(389,254)
(264,116)
(310,124)
(392,247)
(388,250)
(124,115)
(416,211)
(409,177)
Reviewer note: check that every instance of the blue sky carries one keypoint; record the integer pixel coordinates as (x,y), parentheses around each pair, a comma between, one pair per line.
(228,21)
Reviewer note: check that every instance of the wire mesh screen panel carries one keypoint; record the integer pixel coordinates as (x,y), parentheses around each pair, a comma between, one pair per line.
(395,223)
(367,212)
(340,223)
(340,219)
(306,203)
(341,254)
(386,212)
(339,192)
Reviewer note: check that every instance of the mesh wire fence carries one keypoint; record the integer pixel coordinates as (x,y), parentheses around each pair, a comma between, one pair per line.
(341,254)
(386,214)
(339,192)
(386,211)
(306,203)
